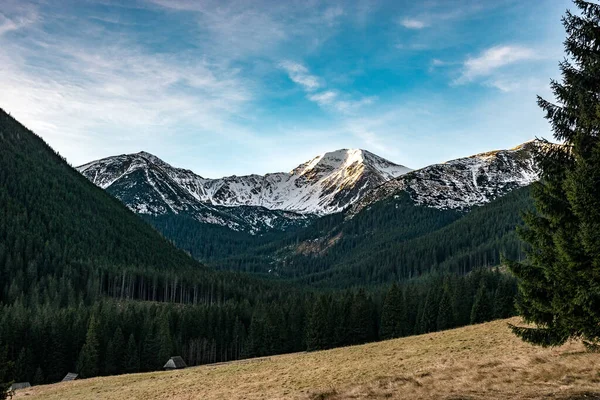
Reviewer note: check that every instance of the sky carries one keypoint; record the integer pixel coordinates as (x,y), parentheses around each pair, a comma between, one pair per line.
(239,87)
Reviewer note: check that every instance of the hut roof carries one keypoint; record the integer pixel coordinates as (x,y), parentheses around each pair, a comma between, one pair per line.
(175,363)
(20,385)
(71,376)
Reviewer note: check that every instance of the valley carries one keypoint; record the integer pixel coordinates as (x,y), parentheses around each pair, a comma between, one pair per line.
(483,361)
(410,233)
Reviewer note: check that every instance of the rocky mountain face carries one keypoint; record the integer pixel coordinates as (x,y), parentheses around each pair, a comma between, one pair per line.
(340,180)
(326,184)
(462,183)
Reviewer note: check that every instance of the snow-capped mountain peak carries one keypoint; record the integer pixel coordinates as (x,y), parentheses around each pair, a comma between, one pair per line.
(327,183)
(464,182)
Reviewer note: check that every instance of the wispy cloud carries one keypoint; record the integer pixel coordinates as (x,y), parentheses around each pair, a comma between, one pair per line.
(491,65)
(494,58)
(22,17)
(413,23)
(324,98)
(333,100)
(80,99)
(299,74)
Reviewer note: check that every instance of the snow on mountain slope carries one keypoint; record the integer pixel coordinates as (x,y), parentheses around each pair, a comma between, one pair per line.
(145,184)
(326,184)
(462,183)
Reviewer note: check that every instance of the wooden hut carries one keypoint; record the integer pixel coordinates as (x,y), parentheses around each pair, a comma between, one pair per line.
(71,376)
(20,385)
(175,363)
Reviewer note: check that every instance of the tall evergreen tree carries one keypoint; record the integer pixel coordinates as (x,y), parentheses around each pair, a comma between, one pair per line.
(5,373)
(560,281)
(429,313)
(89,358)
(165,347)
(445,317)
(393,314)
(38,377)
(316,330)
(482,306)
(362,323)
(132,358)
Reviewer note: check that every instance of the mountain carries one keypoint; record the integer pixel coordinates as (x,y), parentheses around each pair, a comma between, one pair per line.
(454,216)
(196,214)
(87,286)
(253,203)
(462,183)
(149,186)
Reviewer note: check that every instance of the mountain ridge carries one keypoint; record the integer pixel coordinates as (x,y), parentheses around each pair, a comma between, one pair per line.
(325,184)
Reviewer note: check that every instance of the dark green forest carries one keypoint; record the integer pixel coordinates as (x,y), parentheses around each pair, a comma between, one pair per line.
(394,239)
(86,286)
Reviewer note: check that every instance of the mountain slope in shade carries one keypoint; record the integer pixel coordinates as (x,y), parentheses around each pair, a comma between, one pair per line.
(462,183)
(326,184)
(65,221)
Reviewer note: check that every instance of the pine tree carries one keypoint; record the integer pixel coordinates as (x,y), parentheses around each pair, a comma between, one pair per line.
(151,346)
(504,300)
(5,373)
(24,366)
(393,314)
(110,359)
(560,281)
(428,320)
(445,317)
(87,363)
(482,306)
(165,347)
(38,377)
(132,358)
(361,317)
(119,344)
(316,330)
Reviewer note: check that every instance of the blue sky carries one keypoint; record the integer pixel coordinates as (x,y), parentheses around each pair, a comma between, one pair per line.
(239,87)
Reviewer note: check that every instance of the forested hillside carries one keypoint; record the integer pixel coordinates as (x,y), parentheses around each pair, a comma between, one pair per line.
(88,287)
(391,240)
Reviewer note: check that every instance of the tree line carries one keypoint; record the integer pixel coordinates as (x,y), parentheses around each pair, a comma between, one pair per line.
(45,340)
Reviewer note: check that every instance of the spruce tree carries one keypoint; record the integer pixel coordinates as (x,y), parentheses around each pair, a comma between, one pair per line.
(393,314)
(132,358)
(88,361)
(316,330)
(559,283)
(110,359)
(428,320)
(482,306)
(445,317)
(361,319)
(5,373)
(119,347)
(38,377)
(165,347)
(504,300)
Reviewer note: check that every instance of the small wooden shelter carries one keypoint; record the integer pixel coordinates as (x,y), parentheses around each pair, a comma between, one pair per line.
(71,376)
(175,363)
(20,385)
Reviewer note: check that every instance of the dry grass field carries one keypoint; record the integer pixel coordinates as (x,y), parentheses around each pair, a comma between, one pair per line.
(476,362)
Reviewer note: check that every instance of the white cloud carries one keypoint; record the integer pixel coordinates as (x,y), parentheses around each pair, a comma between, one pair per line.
(330,99)
(24,17)
(413,23)
(118,96)
(323,98)
(299,74)
(493,59)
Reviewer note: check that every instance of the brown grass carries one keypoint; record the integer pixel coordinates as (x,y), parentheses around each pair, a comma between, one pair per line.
(477,362)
